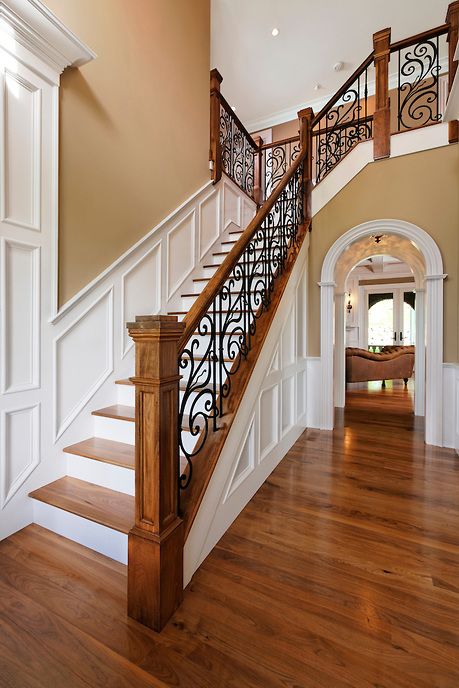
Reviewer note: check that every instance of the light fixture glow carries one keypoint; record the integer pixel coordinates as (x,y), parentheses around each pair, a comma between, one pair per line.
(275,32)
(233,107)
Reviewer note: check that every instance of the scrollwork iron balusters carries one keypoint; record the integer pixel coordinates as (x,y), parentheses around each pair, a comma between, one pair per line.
(223,337)
(238,150)
(418,101)
(276,159)
(345,123)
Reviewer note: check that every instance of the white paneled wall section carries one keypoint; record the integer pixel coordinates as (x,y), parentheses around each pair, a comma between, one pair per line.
(54,363)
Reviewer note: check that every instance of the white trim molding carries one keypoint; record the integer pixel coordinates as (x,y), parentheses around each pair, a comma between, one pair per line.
(433,277)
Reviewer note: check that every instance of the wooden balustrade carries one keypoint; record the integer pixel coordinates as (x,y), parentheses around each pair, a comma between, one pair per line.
(155,549)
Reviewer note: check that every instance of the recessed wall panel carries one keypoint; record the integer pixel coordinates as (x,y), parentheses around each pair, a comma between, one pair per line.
(21,448)
(20,321)
(21,136)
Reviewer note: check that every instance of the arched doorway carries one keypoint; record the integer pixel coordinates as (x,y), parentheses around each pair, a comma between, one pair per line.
(426,260)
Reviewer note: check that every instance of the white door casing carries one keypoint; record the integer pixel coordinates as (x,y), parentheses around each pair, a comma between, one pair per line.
(433,280)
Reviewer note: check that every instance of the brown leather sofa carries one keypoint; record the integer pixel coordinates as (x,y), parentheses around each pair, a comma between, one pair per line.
(393,363)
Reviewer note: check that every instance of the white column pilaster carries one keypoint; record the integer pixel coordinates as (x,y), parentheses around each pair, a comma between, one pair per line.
(327,292)
(434,359)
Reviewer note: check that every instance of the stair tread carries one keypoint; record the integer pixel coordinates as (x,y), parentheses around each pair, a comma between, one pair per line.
(107,451)
(99,504)
(117,411)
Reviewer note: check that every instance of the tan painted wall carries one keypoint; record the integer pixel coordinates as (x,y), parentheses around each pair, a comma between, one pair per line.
(422,188)
(134,126)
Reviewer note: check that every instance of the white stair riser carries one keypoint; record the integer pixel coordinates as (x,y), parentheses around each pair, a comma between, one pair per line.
(114,429)
(126,395)
(100,473)
(109,542)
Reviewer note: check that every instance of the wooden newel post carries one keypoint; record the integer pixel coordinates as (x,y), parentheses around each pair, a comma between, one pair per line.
(257,171)
(381,117)
(155,553)
(215,152)
(305,117)
(452,18)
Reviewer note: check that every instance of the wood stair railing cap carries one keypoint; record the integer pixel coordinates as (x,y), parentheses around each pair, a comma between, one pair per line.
(156,323)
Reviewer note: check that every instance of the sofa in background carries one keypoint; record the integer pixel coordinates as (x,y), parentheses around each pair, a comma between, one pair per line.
(393,363)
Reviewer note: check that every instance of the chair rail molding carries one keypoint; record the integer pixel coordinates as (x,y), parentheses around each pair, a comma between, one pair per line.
(433,280)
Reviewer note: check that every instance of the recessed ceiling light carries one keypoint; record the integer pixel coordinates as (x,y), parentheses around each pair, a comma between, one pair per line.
(233,107)
(317,87)
(337,67)
(275,32)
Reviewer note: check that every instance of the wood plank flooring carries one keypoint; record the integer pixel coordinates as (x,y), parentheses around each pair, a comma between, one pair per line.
(342,571)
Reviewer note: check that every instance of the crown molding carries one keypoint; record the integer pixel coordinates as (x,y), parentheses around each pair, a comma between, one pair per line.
(31,25)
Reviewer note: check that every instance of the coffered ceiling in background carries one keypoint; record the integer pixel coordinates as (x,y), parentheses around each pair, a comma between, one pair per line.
(268,78)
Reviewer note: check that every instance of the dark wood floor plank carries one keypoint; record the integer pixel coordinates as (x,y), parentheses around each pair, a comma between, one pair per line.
(341,572)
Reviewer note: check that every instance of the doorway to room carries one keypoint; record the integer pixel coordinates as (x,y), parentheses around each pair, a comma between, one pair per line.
(379,240)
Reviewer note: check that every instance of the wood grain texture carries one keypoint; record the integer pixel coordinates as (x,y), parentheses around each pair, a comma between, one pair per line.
(342,572)
(99,504)
(107,451)
(117,411)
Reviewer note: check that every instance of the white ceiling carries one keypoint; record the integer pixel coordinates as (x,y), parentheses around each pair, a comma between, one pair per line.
(267,79)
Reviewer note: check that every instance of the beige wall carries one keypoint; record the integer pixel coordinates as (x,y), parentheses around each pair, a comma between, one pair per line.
(422,188)
(134,126)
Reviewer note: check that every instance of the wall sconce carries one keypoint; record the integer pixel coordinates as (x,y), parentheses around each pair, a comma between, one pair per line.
(349,305)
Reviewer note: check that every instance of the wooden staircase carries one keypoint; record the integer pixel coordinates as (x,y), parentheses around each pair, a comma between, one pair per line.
(125,479)
(99,485)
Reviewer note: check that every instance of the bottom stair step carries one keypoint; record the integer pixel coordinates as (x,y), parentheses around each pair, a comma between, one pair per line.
(112,509)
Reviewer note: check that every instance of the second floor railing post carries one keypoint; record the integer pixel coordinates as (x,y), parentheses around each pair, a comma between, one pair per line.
(257,172)
(381,117)
(452,19)
(155,548)
(305,117)
(215,152)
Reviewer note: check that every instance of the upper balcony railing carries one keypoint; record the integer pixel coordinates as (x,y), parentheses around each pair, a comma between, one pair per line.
(399,87)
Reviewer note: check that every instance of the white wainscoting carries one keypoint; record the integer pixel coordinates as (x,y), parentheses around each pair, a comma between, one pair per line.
(57,366)
(451,405)
(271,417)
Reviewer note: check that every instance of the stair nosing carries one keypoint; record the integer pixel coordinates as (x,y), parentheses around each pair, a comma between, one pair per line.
(81,513)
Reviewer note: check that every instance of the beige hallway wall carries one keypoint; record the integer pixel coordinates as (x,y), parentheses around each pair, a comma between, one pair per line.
(134,134)
(422,188)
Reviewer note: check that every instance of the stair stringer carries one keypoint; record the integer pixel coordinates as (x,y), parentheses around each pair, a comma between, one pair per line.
(274,402)
(403,143)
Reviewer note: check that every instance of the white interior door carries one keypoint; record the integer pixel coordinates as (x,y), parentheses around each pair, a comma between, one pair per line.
(389,316)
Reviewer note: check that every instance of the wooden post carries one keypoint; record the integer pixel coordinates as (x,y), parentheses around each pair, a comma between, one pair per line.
(452,18)
(381,117)
(155,551)
(305,116)
(215,153)
(257,172)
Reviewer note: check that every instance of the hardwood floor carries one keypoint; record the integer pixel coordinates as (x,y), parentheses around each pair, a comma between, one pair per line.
(343,570)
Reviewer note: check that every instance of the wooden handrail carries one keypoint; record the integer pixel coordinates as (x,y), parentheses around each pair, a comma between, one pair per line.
(366,63)
(343,125)
(208,294)
(419,37)
(233,116)
(281,142)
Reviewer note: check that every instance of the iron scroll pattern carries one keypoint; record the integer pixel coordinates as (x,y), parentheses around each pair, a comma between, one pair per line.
(224,335)
(238,152)
(342,126)
(276,159)
(419,85)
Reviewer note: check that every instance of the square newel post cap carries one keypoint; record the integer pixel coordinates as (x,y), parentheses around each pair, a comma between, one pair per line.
(215,79)
(156,324)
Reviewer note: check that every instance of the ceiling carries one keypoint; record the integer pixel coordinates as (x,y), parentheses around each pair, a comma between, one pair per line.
(268,79)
